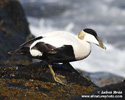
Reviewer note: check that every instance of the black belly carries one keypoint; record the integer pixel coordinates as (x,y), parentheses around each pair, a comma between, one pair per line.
(62,54)
(57,57)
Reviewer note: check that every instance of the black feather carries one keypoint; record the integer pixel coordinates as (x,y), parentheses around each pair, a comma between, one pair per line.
(28,43)
(24,48)
(44,47)
(22,51)
(62,54)
(17,51)
(91,31)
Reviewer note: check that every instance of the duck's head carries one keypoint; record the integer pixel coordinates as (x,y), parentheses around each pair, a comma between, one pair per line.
(91,36)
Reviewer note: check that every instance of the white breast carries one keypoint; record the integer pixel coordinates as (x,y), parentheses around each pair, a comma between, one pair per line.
(82,50)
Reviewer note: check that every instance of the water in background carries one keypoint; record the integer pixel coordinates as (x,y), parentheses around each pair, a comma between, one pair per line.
(107,17)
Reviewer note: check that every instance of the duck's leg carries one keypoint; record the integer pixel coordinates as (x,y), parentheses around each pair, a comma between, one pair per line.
(54,75)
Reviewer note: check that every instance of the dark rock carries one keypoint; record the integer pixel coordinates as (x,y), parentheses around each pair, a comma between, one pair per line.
(40,71)
(102,78)
(114,91)
(14,28)
(35,82)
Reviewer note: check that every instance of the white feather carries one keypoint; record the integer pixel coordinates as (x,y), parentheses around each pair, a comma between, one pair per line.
(35,52)
(59,38)
(91,38)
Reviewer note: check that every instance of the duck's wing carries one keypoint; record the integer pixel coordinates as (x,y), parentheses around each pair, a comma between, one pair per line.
(28,43)
(44,47)
(52,53)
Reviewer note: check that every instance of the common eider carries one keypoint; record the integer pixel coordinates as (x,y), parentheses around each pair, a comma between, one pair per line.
(60,47)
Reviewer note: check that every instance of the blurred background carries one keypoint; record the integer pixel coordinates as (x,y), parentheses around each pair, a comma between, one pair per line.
(107,17)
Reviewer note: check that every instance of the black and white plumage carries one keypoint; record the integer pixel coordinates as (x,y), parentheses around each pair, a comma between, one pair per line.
(60,46)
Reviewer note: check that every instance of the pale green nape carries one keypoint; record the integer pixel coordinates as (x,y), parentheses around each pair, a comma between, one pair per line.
(81,35)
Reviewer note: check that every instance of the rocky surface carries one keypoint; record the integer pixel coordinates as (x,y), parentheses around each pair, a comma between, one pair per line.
(35,82)
(102,78)
(113,91)
(14,28)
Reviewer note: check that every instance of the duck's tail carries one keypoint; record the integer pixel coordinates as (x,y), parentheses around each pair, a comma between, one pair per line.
(17,51)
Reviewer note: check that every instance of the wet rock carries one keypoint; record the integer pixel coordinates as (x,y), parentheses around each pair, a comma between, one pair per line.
(114,91)
(102,78)
(14,28)
(35,82)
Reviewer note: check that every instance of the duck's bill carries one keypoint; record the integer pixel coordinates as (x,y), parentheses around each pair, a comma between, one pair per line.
(101,44)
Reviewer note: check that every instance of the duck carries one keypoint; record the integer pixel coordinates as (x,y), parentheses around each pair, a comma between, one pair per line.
(60,47)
